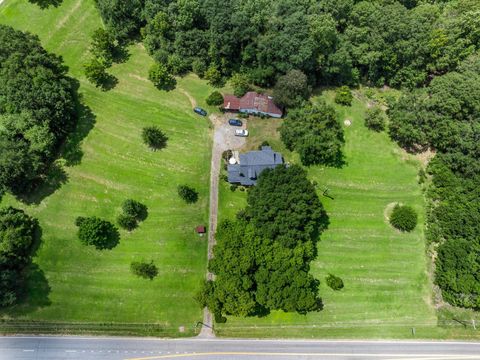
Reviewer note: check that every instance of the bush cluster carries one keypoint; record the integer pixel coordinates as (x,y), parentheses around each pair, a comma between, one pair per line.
(103,48)
(160,76)
(133,212)
(375,119)
(343,96)
(334,282)
(146,270)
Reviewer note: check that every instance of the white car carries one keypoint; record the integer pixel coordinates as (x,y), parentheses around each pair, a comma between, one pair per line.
(241,132)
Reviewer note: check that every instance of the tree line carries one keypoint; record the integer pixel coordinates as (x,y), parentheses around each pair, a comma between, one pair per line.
(347,42)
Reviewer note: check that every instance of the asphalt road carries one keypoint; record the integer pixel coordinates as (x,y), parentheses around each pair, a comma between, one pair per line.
(55,348)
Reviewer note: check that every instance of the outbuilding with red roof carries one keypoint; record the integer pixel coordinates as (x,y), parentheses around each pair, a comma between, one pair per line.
(252,103)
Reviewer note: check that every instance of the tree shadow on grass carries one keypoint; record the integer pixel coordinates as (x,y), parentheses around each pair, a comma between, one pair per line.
(108,82)
(121,54)
(51,182)
(33,289)
(71,150)
(34,293)
(44,4)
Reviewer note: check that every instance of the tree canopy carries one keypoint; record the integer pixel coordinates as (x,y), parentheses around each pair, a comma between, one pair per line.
(17,237)
(291,89)
(399,43)
(315,132)
(154,137)
(97,232)
(37,109)
(187,194)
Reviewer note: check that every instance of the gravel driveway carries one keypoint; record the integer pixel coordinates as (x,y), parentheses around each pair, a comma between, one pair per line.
(223,139)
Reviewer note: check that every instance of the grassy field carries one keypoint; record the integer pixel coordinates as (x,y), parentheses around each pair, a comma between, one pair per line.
(104,164)
(387,290)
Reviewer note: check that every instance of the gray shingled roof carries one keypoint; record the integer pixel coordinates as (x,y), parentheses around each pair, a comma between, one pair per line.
(252,164)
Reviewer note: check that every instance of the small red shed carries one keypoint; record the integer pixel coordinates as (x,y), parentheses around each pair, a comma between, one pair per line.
(201,230)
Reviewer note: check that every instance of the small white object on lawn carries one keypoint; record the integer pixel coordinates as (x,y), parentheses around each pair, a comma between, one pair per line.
(347,122)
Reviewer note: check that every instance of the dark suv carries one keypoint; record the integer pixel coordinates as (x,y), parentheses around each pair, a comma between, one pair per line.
(235,122)
(200,111)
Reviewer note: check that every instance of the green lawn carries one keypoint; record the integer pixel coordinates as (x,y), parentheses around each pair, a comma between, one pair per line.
(387,290)
(74,283)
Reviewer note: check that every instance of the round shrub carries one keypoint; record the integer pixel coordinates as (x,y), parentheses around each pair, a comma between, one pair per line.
(343,96)
(154,137)
(403,218)
(188,194)
(97,232)
(144,269)
(334,282)
(127,222)
(375,119)
(215,98)
(135,209)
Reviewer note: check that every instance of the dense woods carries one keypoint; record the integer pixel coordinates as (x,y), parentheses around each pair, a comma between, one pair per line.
(262,260)
(399,43)
(446,117)
(37,109)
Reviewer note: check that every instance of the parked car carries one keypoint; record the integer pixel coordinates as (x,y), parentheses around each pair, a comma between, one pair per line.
(200,111)
(235,122)
(241,132)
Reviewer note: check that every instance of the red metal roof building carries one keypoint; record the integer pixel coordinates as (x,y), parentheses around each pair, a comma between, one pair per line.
(201,229)
(252,103)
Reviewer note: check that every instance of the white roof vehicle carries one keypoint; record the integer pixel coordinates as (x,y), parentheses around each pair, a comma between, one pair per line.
(241,132)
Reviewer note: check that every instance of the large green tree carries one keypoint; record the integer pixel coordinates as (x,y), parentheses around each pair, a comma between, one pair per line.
(291,89)
(37,109)
(315,132)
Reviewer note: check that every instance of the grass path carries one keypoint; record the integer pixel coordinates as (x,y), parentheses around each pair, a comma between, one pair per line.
(77,284)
